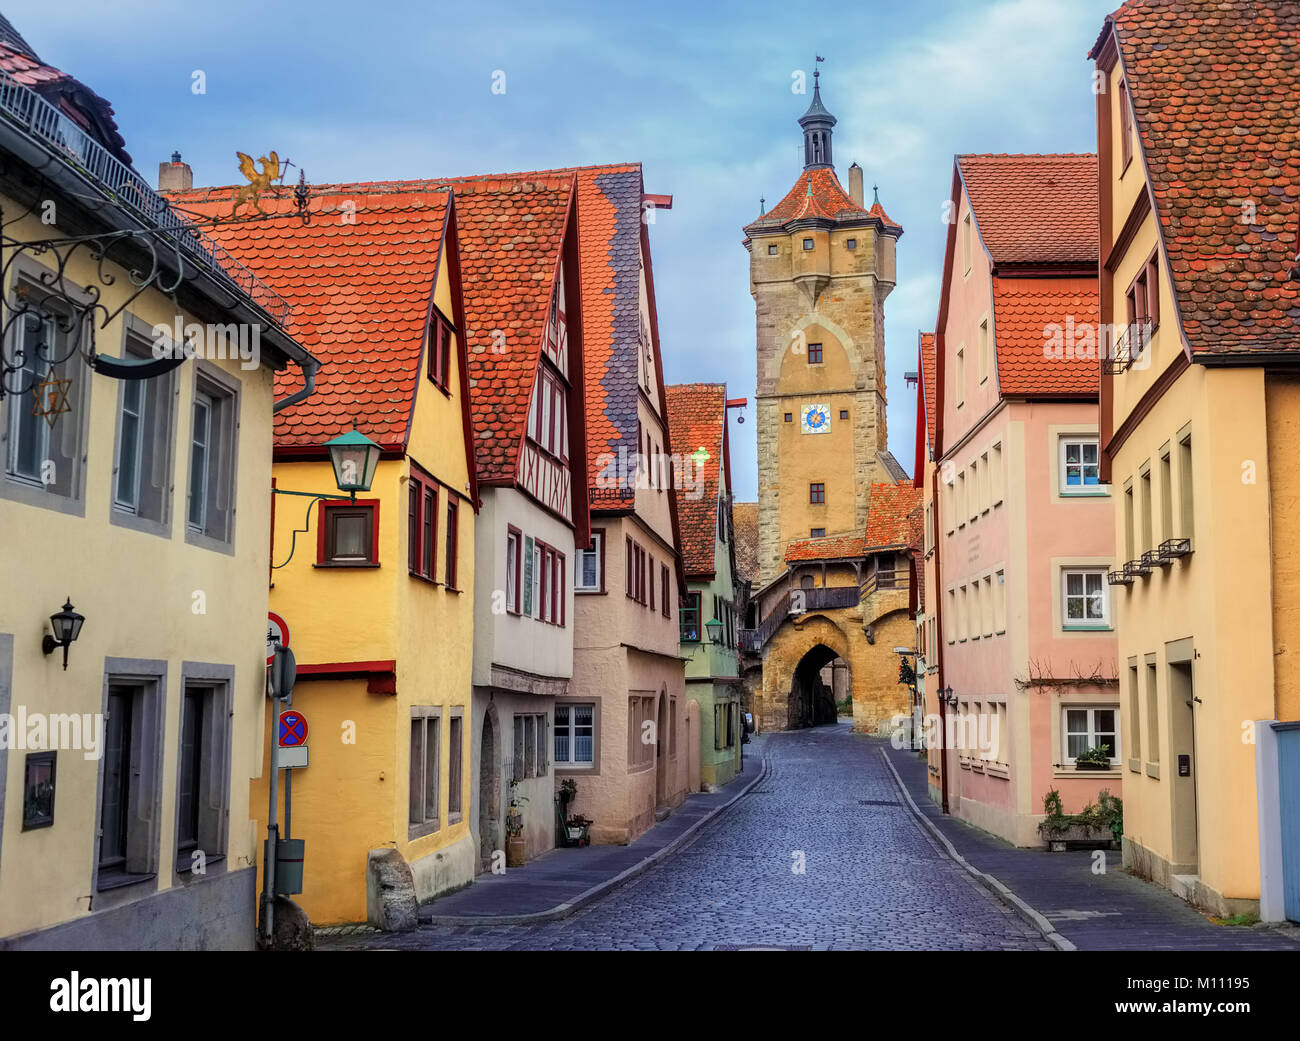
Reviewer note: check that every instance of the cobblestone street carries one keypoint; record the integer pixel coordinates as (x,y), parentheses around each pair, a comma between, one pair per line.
(872,879)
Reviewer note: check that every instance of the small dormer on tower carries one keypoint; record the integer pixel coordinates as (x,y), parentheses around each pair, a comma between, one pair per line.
(817,125)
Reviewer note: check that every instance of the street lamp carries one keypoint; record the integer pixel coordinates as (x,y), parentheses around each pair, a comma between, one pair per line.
(947,696)
(714,628)
(354,458)
(66,625)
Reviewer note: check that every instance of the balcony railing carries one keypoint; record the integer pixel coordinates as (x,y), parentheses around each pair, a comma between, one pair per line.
(884,580)
(797,601)
(1129,348)
(60,135)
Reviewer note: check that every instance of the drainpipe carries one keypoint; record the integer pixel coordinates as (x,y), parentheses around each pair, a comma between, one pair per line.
(310,366)
(939,642)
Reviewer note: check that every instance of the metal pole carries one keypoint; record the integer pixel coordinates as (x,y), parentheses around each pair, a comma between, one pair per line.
(272,821)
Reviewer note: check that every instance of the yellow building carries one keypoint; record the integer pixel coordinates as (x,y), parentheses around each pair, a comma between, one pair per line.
(377,595)
(1199,402)
(135,490)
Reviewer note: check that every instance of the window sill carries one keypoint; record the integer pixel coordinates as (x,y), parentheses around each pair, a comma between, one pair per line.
(998,770)
(590,592)
(453,589)
(419,831)
(423,578)
(1153,770)
(1072,494)
(183,855)
(1086,628)
(1115,772)
(343,565)
(121,881)
(1135,766)
(455,818)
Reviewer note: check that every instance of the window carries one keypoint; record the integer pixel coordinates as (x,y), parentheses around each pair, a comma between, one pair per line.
(130,788)
(973,490)
(422,524)
(1128,523)
(1085,601)
(960,498)
(663,591)
(773,250)
(1134,714)
(984,360)
(1125,127)
(210,509)
(548,419)
(951,627)
(1085,728)
(807,244)
(817,533)
(1000,602)
(814,354)
(589,576)
(455,763)
(1145,482)
(986,605)
(1185,511)
(1079,464)
(997,479)
(575,732)
(1166,497)
(960,377)
(118,781)
(514,546)
(201,788)
(642,740)
(348,534)
(844,413)
(440,333)
(530,746)
(39,455)
(650,578)
(817,493)
(425,749)
(690,618)
(1153,715)
(789,417)
(851,244)
(517,764)
(142,461)
(966,244)
(452,538)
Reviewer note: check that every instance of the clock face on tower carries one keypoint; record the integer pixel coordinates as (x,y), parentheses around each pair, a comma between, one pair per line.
(816,419)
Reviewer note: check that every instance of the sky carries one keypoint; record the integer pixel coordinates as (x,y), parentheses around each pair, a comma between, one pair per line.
(700,93)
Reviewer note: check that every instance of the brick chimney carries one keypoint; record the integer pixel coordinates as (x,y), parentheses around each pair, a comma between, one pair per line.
(855,183)
(178,177)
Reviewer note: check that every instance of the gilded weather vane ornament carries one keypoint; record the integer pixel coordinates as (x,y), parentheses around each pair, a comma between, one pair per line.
(258,182)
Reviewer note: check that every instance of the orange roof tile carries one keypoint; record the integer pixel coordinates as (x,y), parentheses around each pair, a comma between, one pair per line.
(928,393)
(893,516)
(359,283)
(828,547)
(818,194)
(1034,209)
(696,415)
(1025,310)
(744,519)
(1214,89)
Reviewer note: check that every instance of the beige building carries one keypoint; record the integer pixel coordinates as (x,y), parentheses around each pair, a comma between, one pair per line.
(1200,400)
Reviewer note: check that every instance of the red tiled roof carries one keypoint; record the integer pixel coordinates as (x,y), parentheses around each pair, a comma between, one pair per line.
(893,515)
(1024,309)
(829,547)
(928,392)
(359,288)
(511,236)
(818,194)
(744,518)
(1034,209)
(1214,89)
(696,415)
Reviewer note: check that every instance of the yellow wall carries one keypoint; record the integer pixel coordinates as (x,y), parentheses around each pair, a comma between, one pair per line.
(1282,400)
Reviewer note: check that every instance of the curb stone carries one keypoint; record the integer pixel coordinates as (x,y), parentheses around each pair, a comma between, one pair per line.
(989,882)
(586,897)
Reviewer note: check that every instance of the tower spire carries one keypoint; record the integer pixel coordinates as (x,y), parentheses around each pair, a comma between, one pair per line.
(817,123)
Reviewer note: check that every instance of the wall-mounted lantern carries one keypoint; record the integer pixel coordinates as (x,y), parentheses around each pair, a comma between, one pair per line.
(66,626)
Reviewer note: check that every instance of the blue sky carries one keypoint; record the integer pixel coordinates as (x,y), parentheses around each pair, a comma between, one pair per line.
(699,93)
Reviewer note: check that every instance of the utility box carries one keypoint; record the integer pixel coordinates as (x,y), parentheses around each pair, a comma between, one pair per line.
(288,865)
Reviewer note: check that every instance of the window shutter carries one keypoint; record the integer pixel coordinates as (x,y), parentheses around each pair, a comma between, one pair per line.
(528,574)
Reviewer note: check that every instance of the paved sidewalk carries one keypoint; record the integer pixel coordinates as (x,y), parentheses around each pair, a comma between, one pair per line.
(1113,911)
(558,883)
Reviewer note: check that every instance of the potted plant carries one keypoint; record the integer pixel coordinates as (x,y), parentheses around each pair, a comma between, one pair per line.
(515,827)
(1093,758)
(568,791)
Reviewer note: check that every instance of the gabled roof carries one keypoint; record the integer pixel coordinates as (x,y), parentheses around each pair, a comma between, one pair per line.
(696,414)
(818,194)
(893,515)
(828,547)
(1034,209)
(361,291)
(66,93)
(1023,310)
(744,518)
(929,394)
(1214,89)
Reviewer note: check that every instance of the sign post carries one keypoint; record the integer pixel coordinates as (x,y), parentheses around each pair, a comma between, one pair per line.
(283,673)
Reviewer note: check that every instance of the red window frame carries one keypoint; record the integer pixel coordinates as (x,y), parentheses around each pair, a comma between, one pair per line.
(817,493)
(421,542)
(439,347)
(814,354)
(322,521)
(650,562)
(1125,127)
(663,590)
(627,567)
(453,541)
(515,606)
(549,433)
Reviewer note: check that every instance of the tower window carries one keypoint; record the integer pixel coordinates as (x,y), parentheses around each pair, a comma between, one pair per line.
(818,533)
(814,354)
(807,244)
(844,413)
(851,244)
(817,493)
(773,250)
(789,417)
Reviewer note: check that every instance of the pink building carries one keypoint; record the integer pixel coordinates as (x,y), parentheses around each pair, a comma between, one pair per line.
(1024,526)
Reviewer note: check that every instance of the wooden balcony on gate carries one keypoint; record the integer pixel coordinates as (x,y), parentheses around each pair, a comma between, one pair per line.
(797,601)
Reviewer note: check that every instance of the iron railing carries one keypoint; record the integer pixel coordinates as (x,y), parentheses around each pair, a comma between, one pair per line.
(797,601)
(60,135)
(1129,348)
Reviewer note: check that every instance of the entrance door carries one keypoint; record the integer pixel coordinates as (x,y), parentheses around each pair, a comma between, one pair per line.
(489,796)
(1183,769)
(662,737)
(1288,776)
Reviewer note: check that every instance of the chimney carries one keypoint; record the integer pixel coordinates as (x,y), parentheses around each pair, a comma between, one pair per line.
(178,177)
(855,183)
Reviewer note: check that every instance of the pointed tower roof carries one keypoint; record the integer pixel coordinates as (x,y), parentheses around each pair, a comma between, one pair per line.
(817,111)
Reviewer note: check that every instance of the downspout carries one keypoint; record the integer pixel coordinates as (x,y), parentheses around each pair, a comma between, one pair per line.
(310,366)
(939,643)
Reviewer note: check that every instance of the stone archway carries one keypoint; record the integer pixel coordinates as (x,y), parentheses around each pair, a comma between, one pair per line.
(792,660)
(811,702)
(489,792)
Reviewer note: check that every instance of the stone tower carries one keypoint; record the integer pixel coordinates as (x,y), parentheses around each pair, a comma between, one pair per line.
(820,267)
